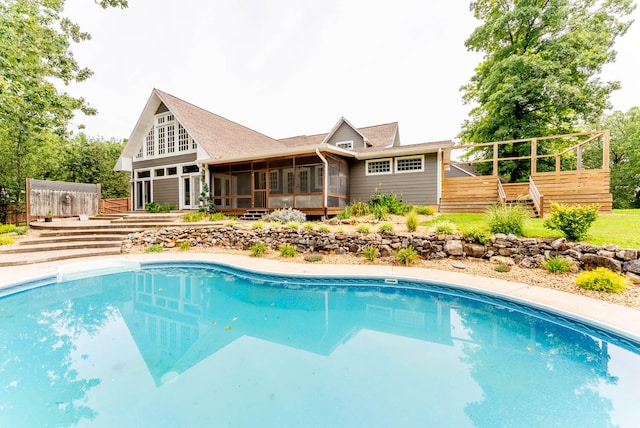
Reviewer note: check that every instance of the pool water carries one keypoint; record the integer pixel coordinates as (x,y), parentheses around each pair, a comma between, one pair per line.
(193,344)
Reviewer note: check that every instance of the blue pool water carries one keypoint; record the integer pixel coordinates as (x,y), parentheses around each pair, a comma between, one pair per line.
(193,344)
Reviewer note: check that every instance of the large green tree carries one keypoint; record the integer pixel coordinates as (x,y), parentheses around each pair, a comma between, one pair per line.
(36,61)
(539,74)
(624,156)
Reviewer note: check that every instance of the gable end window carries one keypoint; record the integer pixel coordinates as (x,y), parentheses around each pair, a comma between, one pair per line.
(345,145)
(378,166)
(410,164)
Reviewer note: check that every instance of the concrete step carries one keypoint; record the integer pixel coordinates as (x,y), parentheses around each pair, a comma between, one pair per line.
(72,238)
(19,259)
(87,232)
(39,247)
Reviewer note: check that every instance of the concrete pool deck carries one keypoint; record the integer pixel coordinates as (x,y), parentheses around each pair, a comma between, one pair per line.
(620,319)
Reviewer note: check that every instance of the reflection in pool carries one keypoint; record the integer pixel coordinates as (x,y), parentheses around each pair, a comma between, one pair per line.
(194,344)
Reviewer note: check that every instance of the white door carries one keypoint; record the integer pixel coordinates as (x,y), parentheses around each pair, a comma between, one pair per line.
(190,191)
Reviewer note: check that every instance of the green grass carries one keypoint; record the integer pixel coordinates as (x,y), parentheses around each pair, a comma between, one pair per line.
(612,228)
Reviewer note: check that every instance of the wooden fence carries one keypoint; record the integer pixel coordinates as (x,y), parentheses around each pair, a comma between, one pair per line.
(115,206)
(61,199)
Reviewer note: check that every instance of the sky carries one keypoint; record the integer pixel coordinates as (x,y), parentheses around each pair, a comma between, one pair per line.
(294,67)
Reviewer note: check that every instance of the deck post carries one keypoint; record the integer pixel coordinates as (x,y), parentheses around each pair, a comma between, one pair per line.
(534,156)
(495,159)
(605,149)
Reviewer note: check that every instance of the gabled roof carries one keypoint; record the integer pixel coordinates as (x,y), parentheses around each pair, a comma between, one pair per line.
(217,136)
(341,121)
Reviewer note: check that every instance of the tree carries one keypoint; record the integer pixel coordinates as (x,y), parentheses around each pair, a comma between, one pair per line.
(539,74)
(624,156)
(35,61)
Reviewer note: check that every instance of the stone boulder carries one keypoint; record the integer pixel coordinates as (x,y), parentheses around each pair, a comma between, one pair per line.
(474,250)
(633,266)
(454,247)
(591,261)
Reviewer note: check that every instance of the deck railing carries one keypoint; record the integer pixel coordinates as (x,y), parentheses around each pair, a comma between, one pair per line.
(502,196)
(536,197)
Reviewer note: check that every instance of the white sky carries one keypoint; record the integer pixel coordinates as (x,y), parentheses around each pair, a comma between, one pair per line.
(292,67)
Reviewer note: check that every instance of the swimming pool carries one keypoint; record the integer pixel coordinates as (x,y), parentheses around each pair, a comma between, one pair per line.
(198,344)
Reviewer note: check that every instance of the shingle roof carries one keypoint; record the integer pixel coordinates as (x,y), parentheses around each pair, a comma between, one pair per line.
(218,136)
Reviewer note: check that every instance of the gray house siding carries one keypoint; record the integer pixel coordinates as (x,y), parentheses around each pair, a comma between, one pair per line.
(165,161)
(165,191)
(418,188)
(346,133)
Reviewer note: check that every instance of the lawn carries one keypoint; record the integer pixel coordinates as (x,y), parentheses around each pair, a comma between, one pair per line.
(622,227)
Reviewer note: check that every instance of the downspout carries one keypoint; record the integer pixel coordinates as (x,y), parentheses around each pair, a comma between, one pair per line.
(325,186)
(439,177)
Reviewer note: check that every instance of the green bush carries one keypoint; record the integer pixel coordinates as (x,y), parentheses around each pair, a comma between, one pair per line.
(380,212)
(445,227)
(154,249)
(481,236)
(288,250)
(406,256)
(425,210)
(345,214)
(308,226)
(557,265)
(7,228)
(324,228)
(193,217)
(292,225)
(312,258)
(154,208)
(217,217)
(502,267)
(602,279)
(370,253)
(362,228)
(184,245)
(257,225)
(572,220)
(507,219)
(230,223)
(359,209)
(7,240)
(385,227)
(258,249)
(391,202)
(412,221)
(288,215)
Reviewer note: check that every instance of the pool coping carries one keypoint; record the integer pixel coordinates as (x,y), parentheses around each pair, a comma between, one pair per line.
(616,318)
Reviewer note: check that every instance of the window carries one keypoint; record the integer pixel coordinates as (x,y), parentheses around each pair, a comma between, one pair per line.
(172,171)
(161,141)
(345,145)
(140,153)
(150,147)
(144,174)
(159,172)
(171,138)
(274,182)
(378,166)
(183,139)
(303,180)
(410,164)
(187,169)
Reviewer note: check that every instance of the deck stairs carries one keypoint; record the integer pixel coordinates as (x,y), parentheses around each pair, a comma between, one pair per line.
(68,239)
(254,215)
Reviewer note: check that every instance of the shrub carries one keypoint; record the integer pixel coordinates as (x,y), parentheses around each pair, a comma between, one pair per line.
(370,253)
(154,208)
(7,240)
(359,209)
(184,245)
(391,202)
(288,215)
(445,227)
(154,249)
(406,256)
(308,226)
(502,267)
(293,225)
(345,213)
(602,279)
(288,250)
(573,221)
(324,228)
(192,217)
(412,221)
(217,217)
(257,225)
(481,236)
(7,228)
(362,228)
(507,219)
(557,265)
(385,227)
(425,210)
(258,249)
(313,258)
(230,223)
(340,229)
(380,212)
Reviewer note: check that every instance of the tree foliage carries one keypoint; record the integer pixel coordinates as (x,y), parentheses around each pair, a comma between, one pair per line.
(624,156)
(35,62)
(539,74)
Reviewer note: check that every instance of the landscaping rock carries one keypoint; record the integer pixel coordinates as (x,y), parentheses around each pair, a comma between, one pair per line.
(560,244)
(633,278)
(592,261)
(474,250)
(454,247)
(633,266)
(459,265)
(533,262)
(627,254)
(501,260)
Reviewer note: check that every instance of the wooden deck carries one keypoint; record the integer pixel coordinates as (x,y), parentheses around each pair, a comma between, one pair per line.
(569,183)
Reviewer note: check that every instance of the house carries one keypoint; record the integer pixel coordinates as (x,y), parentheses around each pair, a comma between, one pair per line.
(176,147)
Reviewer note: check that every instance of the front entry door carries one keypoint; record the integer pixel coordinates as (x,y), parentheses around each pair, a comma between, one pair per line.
(190,190)
(259,189)
(143,194)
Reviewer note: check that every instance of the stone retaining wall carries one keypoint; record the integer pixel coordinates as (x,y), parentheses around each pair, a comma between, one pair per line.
(509,249)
